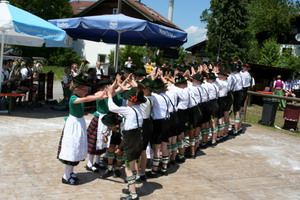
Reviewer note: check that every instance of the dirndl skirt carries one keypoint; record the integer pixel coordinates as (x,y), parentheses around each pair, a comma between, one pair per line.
(92,137)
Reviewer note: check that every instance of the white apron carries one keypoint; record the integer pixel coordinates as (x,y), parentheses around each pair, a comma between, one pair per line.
(74,142)
(102,129)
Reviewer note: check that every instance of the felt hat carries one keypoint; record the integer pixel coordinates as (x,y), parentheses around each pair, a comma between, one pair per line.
(81,81)
(128,70)
(103,82)
(180,79)
(111,119)
(235,67)
(140,72)
(180,68)
(157,84)
(135,96)
(223,72)
(198,77)
(212,76)
(147,83)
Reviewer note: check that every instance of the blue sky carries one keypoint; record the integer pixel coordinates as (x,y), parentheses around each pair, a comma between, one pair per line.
(186,15)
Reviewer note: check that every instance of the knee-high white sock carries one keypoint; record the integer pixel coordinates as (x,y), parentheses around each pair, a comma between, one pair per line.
(91,160)
(68,171)
(97,159)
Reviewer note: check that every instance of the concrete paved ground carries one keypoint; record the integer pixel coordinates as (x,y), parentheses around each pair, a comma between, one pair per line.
(260,164)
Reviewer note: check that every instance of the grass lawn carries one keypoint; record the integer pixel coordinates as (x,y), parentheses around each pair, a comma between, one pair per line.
(58,72)
(254,114)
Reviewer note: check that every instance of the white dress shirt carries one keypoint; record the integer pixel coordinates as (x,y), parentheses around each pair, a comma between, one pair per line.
(213,90)
(238,82)
(183,97)
(129,114)
(195,95)
(246,77)
(146,107)
(223,87)
(173,97)
(160,106)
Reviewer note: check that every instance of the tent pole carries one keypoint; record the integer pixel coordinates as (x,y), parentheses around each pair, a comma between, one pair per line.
(1,57)
(117,51)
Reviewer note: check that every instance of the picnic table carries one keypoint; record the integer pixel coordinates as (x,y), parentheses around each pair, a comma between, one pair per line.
(9,97)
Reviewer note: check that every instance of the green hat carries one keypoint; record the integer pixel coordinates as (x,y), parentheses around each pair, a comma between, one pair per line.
(198,77)
(157,84)
(147,83)
(103,82)
(212,76)
(140,72)
(135,96)
(128,70)
(81,81)
(235,67)
(180,68)
(111,119)
(180,79)
(223,72)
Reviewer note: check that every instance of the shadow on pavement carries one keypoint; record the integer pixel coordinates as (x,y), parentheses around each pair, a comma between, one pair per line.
(148,188)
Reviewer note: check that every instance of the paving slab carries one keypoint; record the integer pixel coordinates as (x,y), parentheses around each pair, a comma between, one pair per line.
(259,164)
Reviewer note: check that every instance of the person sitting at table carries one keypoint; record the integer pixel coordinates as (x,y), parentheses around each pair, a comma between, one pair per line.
(5,81)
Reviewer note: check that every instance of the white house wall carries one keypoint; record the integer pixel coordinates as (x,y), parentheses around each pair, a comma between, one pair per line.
(90,50)
(295,48)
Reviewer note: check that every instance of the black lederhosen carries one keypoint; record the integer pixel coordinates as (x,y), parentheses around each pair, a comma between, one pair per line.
(245,90)
(229,101)
(201,121)
(206,111)
(116,138)
(183,117)
(195,117)
(214,108)
(174,124)
(147,132)
(222,101)
(161,128)
(237,100)
(132,144)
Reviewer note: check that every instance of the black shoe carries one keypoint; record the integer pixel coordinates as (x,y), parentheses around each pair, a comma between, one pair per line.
(204,145)
(74,176)
(194,156)
(151,174)
(125,191)
(99,165)
(70,181)
(213,144)
(143,178)
(92,169)
(163,172)
(129,197)
(107,173)
(180,160)
(231,132)
(172,162)
(117,173)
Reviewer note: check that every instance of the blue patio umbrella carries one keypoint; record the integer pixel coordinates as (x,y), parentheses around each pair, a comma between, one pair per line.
(18,27)
(121,29)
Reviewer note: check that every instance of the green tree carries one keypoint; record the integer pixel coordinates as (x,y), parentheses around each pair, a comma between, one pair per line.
(46,9)
(227,21)
(269,54)
(272,18)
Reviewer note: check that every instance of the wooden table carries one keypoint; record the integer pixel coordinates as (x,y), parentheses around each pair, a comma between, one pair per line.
(9,97)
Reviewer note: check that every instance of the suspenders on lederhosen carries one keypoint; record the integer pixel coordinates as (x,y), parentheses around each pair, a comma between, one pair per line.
(133,142)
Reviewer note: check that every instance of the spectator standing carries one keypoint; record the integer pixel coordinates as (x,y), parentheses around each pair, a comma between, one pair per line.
(278,87)
(99,69)
(74,70)
(296,86)
(128,63)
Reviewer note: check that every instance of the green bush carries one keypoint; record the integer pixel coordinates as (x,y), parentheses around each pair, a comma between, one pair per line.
(63,57)
(58,71)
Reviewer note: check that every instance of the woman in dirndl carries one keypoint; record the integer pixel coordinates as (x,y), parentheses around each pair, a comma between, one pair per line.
(73,142)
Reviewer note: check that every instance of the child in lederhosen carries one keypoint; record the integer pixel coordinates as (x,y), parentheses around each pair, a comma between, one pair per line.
(146,109)
(112,121)
(161,127)
(73,143)
(131,133)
